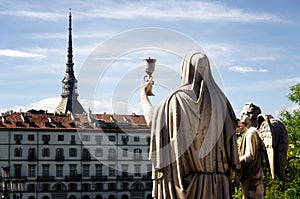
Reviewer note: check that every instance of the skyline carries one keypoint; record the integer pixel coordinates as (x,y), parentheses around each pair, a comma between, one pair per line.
(253,46)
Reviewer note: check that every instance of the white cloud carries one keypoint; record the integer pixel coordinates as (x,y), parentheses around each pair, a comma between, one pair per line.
(49,16)
(18,53)
(163,10)
(178,10)
(44,104)
(241,69)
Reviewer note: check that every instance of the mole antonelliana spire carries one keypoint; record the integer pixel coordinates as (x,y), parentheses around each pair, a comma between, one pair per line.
(69,94)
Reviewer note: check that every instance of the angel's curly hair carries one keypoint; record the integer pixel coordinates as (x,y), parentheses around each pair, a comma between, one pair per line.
(254,111)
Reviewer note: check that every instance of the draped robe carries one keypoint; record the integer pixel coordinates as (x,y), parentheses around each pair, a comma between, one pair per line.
(193,143)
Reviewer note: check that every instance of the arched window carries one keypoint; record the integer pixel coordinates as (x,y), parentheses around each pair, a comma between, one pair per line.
(31,197)
(111,197)
(98,197)
(137,186)
(124,197)
(59,187)
(59,154)
(72,197)
(85,197)
(45,197)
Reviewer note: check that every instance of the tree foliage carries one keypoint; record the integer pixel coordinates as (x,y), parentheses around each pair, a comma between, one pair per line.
(291,120)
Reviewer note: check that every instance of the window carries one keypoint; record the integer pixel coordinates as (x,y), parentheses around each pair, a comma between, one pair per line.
(59,170)
(112,186)
(18,138)
(45,170)
(137,170)
(136,138)
(85,138)
(73,139)
(31,154)
(148,185)
(124,139)
(73,171)
(86,187)
(31,187)
(112,170)
(46,152)
(125,152)
(86,156)
(137,154)
(18,152)
(112,138)
(31,170)
(60,137)
(99,170)
(125,186)
(124,170)
(149,171)
(59,154)
(45,187)
(30,137)
(72,187)
(18,169)
(46,139)
(72,152)
(98,152)
(99,186)
(86,170)
(112,154)
(98,139)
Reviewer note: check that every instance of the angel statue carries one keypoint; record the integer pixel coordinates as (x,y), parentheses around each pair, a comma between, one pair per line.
(263,135)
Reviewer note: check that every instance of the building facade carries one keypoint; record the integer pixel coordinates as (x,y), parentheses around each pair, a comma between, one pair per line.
(76,156)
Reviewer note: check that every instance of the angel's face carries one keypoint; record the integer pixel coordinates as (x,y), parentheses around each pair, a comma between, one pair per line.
(246,119)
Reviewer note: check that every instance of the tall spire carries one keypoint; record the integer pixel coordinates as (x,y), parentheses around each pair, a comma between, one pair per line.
(69,94)
(70,47)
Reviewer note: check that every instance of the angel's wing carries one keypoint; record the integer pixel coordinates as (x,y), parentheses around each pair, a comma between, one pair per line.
(275,139)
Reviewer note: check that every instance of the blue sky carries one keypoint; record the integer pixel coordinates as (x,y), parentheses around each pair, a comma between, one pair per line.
(254,45)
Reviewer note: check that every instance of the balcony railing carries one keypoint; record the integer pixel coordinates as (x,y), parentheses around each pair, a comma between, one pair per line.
(125,177)
(59,158)
(98,178)
(31,158)
(73,177)
(45,178)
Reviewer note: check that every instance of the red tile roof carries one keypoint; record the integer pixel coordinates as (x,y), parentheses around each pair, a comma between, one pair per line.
(41,119)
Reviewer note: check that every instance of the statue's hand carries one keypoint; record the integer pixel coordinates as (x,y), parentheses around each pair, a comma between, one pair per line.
(147,85)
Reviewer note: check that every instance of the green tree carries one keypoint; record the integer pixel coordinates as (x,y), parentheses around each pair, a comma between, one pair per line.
(291,120)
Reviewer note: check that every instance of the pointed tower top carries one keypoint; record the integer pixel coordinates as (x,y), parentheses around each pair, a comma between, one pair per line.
(69,95)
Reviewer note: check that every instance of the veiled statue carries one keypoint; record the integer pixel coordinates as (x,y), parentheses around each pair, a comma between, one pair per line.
(263,135)
(193,145)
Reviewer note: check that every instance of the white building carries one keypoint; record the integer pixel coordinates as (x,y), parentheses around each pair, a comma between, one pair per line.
(66,156)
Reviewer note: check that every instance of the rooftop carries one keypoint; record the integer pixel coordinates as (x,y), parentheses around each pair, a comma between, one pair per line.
(41,119)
